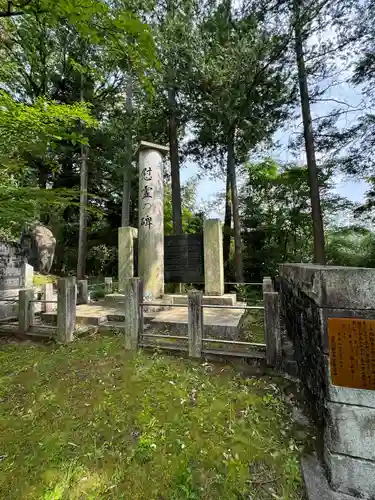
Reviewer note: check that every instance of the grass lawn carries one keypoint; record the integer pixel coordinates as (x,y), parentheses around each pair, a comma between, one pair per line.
(93,421)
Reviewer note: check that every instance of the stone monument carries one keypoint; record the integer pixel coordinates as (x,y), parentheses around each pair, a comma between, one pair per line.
(151,219)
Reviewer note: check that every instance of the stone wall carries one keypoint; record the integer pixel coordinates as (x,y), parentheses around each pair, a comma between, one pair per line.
(303,326)
(310,296)
(11,260)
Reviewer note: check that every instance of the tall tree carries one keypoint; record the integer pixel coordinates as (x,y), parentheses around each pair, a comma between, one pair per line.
(125,209)
(242,93)
(173,132)
(316,212)
(82,234)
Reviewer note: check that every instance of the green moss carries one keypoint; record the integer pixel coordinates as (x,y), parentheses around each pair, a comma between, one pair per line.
(92,420)
(41,279)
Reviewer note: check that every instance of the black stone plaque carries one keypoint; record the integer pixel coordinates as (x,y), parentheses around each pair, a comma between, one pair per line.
(183,258)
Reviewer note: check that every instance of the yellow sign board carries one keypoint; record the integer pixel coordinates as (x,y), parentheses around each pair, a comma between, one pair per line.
(352,352)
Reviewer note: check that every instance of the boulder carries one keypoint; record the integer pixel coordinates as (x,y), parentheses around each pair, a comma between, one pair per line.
(38,244)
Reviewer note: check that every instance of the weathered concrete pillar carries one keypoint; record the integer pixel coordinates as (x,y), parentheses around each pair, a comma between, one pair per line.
(82,292)
(151,219)
(272,328)
(267,285)
(195,324)
(66,309)
(108,285)
(131,310)
(213,257)
(47,294)
(126,237)
(27,273)
(25,311)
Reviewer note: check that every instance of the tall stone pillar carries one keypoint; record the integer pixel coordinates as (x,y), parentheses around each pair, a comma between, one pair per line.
(151,219)
(213,257)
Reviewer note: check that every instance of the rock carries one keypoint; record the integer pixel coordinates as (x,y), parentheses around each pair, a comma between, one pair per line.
(298,417)
(38,244)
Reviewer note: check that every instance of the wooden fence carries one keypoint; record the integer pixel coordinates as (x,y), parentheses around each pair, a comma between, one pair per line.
(195,343)
(136,335)
(27,319)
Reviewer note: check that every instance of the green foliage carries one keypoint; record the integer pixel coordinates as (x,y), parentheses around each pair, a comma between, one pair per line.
(351,246)
(34,129)
(192,221)
(241,84)
(276,216)
(133,425)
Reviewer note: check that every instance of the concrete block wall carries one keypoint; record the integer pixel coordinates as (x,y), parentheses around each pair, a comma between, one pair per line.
(310,295)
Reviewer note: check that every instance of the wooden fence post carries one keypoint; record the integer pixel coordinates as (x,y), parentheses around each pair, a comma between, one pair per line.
(66,309)
(47,294)
(272,328)
(195,324)
(140,309)
(267,285)
(25,310)
(82,292)
(108,285)
(132,299)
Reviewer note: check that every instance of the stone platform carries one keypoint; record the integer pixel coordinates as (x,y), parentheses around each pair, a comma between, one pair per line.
(227,299)
(218,323)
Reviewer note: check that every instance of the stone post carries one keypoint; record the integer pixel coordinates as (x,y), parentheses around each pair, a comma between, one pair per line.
(151,219)
(195,324)
(25,310)
(267,285)
(82,292)
(213,257)
(108,285)
(66,309)
(27,272)
(126,237)
(47,294)
(132,299)
(272,328)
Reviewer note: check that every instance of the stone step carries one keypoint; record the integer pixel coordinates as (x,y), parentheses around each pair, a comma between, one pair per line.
(94,319)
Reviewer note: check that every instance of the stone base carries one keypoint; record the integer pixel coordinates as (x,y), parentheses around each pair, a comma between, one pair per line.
(316,484)
(351,475)
(217,323)
(227,299)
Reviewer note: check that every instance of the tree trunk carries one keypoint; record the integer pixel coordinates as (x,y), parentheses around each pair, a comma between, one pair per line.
(227,221)
(318,229)
(82,237)
(173,137)
(231,165)
(125,212)
(175,164)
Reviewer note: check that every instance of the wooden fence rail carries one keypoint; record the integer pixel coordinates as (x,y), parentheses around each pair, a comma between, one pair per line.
(197,344)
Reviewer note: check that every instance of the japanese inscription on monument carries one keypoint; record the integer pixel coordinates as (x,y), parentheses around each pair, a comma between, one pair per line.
(352,352)
(146,192)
